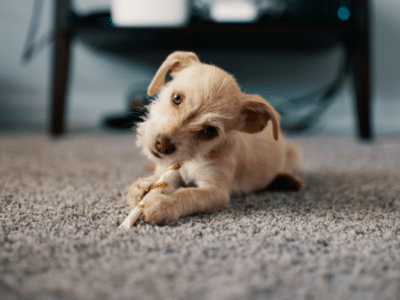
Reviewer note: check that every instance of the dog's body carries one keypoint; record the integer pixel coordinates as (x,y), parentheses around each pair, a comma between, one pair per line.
(203,121)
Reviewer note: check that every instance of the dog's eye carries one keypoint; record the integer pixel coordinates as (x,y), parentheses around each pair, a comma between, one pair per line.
(210,132)
(177,98)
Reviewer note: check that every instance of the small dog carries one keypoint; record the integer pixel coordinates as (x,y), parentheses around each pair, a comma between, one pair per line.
(201,120)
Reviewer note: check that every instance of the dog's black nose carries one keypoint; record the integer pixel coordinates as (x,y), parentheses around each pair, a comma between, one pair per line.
(164,146)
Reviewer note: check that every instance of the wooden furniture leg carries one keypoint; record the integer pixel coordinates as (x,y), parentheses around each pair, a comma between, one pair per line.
(60,80)
(60,68)
(362,89)
(362,80)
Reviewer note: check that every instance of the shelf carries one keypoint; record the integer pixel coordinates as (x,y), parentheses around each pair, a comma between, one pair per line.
(98,32)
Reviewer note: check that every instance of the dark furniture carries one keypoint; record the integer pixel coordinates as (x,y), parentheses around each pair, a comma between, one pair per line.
(311,31)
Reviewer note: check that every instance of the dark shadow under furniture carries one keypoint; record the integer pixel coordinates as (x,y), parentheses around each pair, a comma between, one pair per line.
(313,34)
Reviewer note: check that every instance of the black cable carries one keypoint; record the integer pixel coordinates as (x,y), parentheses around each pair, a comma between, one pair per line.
(31,47)
(315,102)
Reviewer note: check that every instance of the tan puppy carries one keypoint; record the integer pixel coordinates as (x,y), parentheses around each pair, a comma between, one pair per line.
(218,134)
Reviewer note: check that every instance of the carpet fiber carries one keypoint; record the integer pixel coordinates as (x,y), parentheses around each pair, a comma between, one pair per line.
(62,200)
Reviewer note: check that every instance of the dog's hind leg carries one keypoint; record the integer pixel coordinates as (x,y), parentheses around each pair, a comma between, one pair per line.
(293,158)
(285,183)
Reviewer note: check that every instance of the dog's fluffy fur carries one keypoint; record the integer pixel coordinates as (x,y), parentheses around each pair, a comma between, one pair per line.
(228,142)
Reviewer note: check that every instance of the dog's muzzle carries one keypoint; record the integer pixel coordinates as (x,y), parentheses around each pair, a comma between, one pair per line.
(163,145)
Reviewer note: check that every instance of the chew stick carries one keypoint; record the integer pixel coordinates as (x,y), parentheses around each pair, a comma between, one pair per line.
(166,184)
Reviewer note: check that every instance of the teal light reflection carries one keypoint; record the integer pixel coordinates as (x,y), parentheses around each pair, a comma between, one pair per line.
(343,13)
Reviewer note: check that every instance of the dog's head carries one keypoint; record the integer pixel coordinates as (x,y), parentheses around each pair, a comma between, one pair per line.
(195,111)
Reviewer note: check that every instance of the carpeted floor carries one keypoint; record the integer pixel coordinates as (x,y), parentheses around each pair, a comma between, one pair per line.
(62,200)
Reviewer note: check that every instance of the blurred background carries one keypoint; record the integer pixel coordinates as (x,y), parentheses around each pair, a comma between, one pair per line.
(101,85)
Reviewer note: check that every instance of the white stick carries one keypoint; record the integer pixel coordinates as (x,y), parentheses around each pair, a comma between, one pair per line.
(132,218)
(166,184)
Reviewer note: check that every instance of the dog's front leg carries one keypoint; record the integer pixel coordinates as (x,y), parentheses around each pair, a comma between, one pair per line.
(162,209)
(139,189)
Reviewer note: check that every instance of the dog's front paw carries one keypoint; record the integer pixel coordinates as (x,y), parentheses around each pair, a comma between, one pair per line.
(137,191)
(158,209)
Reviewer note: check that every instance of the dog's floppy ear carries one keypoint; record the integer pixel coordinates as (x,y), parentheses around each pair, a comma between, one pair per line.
(255,114)
(174,62)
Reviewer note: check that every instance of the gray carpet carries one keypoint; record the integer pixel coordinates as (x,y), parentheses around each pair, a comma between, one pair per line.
(62,200)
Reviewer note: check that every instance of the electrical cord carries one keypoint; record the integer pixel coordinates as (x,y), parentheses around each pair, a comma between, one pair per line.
(32,48)
(302,112)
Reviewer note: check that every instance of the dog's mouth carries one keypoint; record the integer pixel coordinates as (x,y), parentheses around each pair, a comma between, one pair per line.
(155,153)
